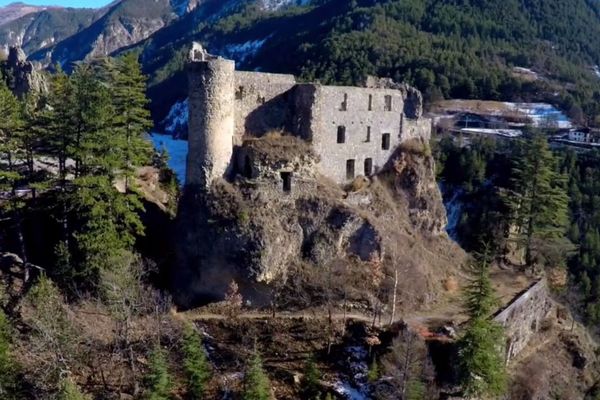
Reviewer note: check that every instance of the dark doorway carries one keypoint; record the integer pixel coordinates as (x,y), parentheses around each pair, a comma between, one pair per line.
(247,168)
(286,177)
(350,169)
(368,166)
(385,141)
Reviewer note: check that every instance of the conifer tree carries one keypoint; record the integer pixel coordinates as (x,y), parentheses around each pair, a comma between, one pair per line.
(70,391)
(256,381)
(11,153)
(539,202)
(196,365)
(132,117)
(311,387)
(159,381)
(481,346)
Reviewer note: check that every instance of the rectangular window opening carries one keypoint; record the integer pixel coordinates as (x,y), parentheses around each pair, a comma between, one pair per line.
(350,169)
(388,103)
(344,105)
(368,134)
(370,102)
(286,178)
(368,166)
(239,93)
(341,134)
(385,141)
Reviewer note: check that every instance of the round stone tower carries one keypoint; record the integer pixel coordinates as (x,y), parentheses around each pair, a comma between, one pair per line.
(211,117)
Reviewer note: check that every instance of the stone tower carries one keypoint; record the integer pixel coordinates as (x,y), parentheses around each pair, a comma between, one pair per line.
(211,118)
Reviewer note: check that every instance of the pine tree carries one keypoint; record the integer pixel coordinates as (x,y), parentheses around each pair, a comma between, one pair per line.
(196,365)
(539,202)
(256,381)
(70,391)
(132,118)
(311,386)
(481,346)
(159,381)
(12,152)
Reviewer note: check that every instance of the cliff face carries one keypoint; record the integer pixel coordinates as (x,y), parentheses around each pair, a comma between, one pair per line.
(316,242)
(21,74)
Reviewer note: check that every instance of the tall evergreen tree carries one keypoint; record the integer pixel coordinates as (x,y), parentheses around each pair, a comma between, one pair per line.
(132,117)
(481,346)
(196,365)
(539,202)
(11,153)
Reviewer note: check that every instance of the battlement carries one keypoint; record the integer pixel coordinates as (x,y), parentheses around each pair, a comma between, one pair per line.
(353,130)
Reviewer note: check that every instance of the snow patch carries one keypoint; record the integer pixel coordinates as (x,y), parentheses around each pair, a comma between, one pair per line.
(241,51)
(542,115)
(347,391)
(273,5)
(176,122)
(596,70)
(454,210)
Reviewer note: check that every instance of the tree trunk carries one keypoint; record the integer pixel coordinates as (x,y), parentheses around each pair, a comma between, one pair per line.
(393,316)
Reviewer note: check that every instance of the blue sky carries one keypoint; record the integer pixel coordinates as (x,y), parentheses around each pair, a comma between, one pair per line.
(64,3)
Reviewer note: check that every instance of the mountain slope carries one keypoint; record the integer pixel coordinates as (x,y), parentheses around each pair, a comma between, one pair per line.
(14,11)
(447,48)
(125,23)
(46,27)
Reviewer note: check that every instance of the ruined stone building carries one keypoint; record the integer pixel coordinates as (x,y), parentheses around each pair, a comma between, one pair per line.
(353,130)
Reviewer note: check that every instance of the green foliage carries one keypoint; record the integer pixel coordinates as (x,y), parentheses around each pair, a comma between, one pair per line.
(8,367)
(53,333)
(415,390)
(482,344)
(373,374)
(158,380)
(311,381)
(70,391)
(539,200)
(256,381)
(195,364)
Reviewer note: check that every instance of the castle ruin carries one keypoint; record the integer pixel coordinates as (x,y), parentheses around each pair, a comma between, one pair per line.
(353,131)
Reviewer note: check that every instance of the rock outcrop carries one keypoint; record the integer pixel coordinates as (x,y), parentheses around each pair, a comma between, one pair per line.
(313,240)
(21,75)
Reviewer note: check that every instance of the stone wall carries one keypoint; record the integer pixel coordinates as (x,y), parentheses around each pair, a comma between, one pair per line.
(362,114)
(416,129)
(522,318)
(262,103)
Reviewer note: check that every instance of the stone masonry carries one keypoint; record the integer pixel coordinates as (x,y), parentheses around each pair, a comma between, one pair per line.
(522,318)
(353,130)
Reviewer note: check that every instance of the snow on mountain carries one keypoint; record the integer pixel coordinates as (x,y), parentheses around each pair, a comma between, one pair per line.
(175,123)
(241,51)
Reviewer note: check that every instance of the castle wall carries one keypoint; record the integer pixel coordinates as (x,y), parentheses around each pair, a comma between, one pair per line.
(211,120)
(522,318)
(416,128)
(347,108)
(262,103)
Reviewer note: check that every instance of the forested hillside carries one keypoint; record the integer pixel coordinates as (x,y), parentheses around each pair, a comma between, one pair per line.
(460,49)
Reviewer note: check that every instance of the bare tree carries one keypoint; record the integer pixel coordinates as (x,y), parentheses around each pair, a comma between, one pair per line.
(407,372)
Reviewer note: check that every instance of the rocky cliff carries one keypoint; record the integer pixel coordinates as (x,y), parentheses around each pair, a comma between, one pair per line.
(315,242)
(20,74)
